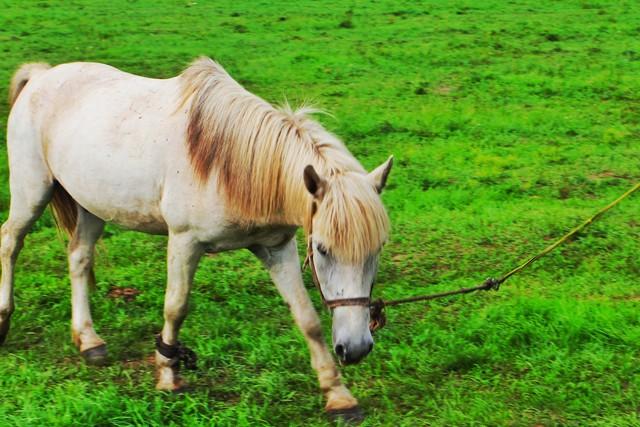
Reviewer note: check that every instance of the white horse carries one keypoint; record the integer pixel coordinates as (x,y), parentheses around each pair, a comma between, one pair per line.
(216,168)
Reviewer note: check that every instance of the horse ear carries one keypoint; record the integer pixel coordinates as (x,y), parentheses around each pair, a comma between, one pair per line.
(379,175)
(315,185)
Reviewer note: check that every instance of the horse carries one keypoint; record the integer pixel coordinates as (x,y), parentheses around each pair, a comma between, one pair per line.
(199,158)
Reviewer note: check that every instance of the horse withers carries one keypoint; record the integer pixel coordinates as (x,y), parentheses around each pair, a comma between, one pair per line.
(216,168)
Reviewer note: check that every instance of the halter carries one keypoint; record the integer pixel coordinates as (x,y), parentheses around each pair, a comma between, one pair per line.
(330,304)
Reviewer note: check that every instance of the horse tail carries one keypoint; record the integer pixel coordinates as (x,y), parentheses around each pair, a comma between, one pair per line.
(65,210)
(22,77)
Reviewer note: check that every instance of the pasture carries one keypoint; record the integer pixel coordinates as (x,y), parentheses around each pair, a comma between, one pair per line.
(510,123)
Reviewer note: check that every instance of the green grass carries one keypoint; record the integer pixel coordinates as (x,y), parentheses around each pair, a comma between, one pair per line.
(510,123)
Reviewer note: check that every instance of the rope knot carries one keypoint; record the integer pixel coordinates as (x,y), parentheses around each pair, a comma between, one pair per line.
(492,284)
(377,316)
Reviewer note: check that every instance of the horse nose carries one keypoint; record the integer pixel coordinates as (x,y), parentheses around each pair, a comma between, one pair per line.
(350,354)
(341,351)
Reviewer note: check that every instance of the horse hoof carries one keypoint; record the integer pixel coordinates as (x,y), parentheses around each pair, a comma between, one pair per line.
(96,356)
(178,386)
(182,388)
(4,331)
(352,416)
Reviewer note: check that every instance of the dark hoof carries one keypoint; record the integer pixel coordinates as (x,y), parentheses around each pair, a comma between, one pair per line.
(183,389)
(351,416)
(96,356)
(180,388)
(4,331)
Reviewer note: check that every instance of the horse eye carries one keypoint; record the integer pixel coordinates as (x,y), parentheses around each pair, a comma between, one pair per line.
(322,250)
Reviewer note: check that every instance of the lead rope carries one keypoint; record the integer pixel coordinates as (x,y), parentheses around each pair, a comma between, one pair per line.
(379,319)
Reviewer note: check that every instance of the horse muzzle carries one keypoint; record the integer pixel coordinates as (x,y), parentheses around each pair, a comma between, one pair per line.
(349,354)
(352,340)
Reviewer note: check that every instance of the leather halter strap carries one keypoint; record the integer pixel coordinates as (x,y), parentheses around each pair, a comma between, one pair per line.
(330,304)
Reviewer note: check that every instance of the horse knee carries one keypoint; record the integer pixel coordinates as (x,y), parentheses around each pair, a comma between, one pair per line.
(8,241)
(312,329)
(79,261)
(6,248)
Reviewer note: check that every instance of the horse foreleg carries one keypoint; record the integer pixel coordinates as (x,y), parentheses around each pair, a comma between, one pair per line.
(284,267)
(81,247)
(183,254)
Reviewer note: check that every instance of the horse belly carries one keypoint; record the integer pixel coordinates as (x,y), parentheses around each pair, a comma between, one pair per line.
(113,187)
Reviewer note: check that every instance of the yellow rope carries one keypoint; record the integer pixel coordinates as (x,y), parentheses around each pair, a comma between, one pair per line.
(378,318)
(570,234)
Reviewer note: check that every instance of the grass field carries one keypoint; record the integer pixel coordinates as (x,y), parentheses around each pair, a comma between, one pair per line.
(511,121)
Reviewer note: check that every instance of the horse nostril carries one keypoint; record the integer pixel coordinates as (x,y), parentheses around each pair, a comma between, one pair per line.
(370,347)
(340,351)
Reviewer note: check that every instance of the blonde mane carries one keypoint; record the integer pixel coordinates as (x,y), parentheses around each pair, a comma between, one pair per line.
(257,154)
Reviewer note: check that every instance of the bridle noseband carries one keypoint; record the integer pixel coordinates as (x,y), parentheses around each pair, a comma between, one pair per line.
(330,304)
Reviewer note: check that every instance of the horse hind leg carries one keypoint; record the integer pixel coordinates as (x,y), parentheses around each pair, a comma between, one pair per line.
(88,230)
(31,188)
